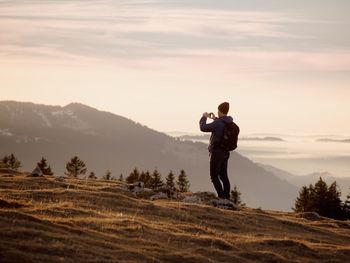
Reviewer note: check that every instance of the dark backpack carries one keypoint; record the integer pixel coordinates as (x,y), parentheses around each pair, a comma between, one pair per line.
(230,137)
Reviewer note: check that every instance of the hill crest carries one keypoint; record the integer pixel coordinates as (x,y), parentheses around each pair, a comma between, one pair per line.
(100,221)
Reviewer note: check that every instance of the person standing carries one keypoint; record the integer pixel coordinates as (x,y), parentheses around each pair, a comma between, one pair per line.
(219,156)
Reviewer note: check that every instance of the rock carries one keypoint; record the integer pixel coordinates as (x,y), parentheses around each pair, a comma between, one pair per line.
(159,196)
(162,189)
(259,210)
(206,197)
(139,190)
(37,172)
(136,187)
(197,198)
(224,204)
(145,193)
(311,216)
(140,184)
(60,178)
(192,199)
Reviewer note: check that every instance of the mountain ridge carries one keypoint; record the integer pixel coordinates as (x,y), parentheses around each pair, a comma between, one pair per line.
(302,180)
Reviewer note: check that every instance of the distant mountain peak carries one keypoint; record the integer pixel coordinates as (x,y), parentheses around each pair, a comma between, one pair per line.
(80,106)
(324,174)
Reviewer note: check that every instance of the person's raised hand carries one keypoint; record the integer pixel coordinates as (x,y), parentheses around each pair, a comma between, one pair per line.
(205,114)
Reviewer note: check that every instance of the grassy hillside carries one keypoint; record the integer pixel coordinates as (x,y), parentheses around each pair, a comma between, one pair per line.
(46,220)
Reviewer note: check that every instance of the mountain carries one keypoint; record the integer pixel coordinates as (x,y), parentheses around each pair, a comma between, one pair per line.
(48,220)
(301,180)
(108,141)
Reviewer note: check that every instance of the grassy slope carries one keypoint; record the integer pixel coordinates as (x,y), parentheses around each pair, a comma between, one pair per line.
(99,221)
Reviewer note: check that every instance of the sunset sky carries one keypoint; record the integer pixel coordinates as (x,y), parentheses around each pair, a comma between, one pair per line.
(284,66)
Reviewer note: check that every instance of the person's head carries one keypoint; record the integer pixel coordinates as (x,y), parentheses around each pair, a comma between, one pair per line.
(223,109)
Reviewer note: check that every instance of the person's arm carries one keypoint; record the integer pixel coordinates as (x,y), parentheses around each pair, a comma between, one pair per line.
(206,127)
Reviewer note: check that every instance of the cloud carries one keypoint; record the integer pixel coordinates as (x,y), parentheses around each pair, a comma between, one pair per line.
(115,31)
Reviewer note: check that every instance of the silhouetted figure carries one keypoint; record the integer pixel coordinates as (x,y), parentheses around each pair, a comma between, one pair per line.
(218,155)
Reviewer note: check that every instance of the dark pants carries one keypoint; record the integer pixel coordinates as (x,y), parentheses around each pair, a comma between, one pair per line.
(218,172)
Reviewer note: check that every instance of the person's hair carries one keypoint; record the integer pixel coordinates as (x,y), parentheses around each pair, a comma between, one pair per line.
(224,107)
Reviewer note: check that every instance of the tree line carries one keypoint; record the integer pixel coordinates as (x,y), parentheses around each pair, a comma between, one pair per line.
(76,167)
(324,200)
(10,162)
(154,180)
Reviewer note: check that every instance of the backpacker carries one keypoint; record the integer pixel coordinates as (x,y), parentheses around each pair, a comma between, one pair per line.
(230,137)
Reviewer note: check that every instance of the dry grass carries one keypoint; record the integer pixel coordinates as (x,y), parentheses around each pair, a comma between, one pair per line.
(43,220)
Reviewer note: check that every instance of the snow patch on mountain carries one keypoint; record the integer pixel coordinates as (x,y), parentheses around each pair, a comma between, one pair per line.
(72,121)
(27,139)
(63,113)
(5,132)
(46,121)
(15,113)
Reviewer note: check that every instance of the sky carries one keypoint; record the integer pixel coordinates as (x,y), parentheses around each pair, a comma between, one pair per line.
(282,65)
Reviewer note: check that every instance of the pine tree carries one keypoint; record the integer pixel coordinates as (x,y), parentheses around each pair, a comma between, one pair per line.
(321,199)
(75,167)
(156,180)
(335,206)
(347,202)
(11,162)
(347,207)
(44,167)
(146,178)
(183,184)
(14,163)
(302,204)
(92,176)
(4,162)
(170,182)
(121,178)
(107,176)
(133,177)
(236,196)
(142,177)
(320,202)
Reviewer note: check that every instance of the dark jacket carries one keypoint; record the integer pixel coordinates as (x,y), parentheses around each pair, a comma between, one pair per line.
(216,128)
